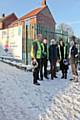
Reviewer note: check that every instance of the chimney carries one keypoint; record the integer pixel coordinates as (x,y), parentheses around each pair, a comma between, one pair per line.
(43,4)
(3,15)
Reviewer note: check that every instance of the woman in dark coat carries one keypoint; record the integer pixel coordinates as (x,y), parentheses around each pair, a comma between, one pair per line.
(53,58)
(63,58)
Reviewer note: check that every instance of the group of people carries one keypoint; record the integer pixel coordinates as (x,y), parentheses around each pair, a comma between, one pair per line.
(55,53)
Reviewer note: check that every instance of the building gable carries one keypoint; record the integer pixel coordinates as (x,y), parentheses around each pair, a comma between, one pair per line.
(46,12)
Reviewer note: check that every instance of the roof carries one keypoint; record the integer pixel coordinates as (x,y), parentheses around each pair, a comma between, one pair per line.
(32,13)
(9,16)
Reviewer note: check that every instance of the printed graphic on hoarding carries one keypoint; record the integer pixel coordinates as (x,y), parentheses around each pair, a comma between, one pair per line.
(11,43)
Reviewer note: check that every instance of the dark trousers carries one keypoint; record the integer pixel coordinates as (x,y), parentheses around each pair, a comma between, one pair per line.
(53,68)
(43,65)
(63,68)
(36,72)
(41,68)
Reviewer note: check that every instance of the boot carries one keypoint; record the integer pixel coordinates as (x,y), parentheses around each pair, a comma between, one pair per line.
(46,77)
(37,83)
(62,76)
(76,78)
(52,77)
(65,76)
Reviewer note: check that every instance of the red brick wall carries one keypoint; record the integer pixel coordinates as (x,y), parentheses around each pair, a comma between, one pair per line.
(46,19)
(9,20)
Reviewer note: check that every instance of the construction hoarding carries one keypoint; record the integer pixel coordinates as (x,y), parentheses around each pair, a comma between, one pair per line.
(11,43)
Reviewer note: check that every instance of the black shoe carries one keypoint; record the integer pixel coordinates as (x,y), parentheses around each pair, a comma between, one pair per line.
(46,77)
(62,77)
(71,79)
(37,83)
(55,76)
(65,77)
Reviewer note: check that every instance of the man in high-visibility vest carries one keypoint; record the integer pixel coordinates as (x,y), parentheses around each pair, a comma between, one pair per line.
(36,53)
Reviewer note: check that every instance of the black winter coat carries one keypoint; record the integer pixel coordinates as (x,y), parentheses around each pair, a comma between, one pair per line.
(61,51)
(62,56)
(74,52)
(52,52)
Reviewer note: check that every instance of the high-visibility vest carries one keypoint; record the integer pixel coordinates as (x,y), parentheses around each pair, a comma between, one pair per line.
(32,52)
(38,55)
(38,52)
(60,51)
(45,53)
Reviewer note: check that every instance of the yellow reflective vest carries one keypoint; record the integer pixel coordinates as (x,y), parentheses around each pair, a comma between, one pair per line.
(36,49)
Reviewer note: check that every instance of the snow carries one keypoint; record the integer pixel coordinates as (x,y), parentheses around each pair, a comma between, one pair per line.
(22,100)
(66,105)
(17,64)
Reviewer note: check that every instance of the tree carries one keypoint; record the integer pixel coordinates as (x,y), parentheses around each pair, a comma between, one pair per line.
(66,28)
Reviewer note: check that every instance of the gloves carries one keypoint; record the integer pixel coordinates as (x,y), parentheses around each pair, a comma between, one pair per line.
(34,62)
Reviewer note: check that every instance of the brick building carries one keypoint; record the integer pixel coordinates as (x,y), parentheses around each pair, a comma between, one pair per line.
(5,21)
(39,20)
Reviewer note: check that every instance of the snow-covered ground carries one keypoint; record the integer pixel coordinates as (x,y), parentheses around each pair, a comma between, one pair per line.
(65,106)
(22,100)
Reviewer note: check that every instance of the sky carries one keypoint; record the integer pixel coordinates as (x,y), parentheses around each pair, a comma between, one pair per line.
(64,11)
